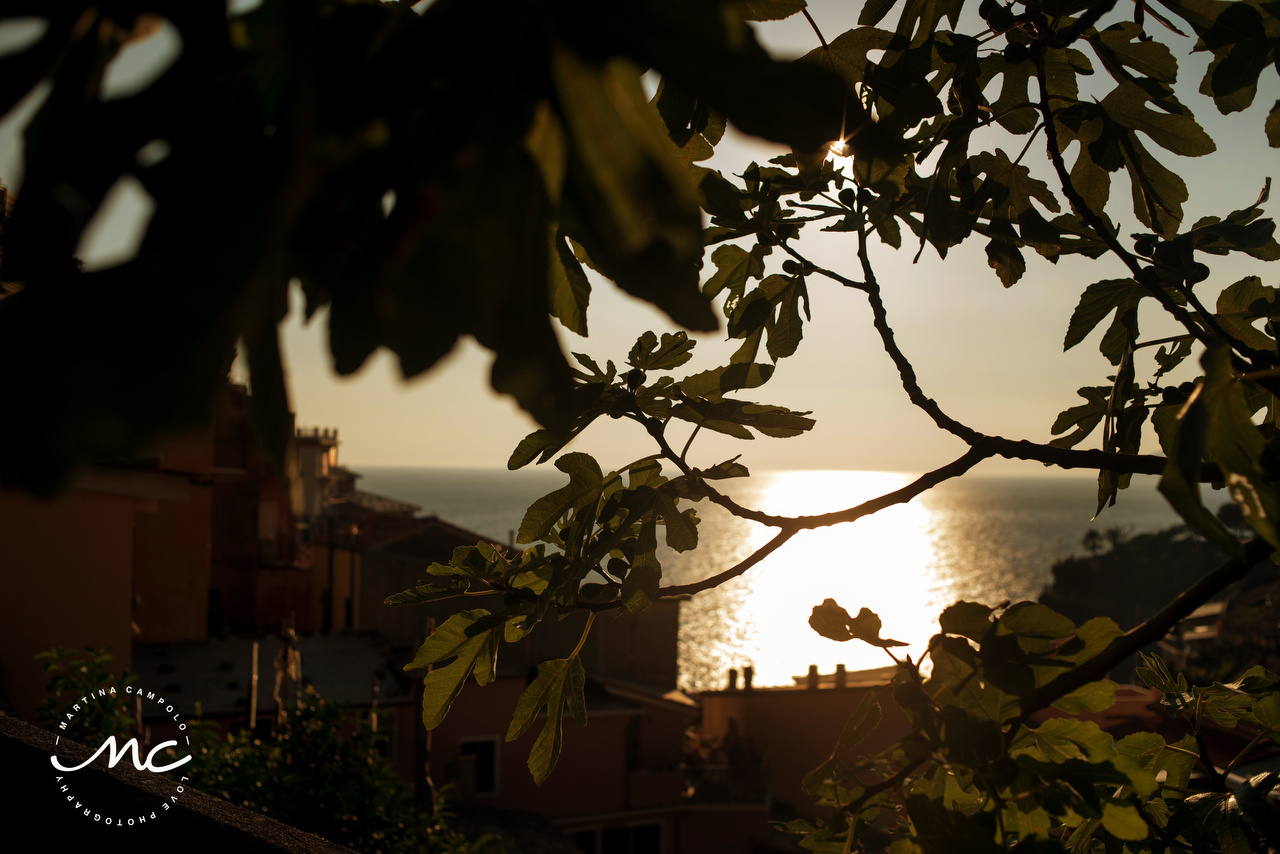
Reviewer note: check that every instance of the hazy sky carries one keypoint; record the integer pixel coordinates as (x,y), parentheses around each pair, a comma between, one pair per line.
(991,357)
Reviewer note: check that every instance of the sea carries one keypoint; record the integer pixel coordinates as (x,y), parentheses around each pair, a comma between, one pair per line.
(980,538)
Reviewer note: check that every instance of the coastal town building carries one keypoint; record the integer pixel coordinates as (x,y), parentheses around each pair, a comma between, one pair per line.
(746,727)
(205,564)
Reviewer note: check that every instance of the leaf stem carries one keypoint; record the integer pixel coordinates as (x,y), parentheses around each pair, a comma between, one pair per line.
(1177,749)
(1062,38)
(1030,139)
(684,452)
(1252,376)
(1216,776)
(586,630)
(1252,744)
(816,31)
(1172,339)
(830,274)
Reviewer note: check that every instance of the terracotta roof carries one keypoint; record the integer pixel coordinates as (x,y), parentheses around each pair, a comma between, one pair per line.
(431,537)
(414,536)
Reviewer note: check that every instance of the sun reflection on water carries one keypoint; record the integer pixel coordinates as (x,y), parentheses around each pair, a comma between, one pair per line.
(881,562)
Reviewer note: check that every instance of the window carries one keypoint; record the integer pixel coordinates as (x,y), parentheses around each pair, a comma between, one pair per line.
(483,753)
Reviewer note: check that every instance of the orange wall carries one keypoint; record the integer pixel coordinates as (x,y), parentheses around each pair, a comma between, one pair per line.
(67,568)
(590,777)
(661,740)
(281,593)
(342,559)
(172,567)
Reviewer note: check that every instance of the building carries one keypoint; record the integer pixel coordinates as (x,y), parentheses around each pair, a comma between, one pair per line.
(200,563)
(202,537)
(123,557)
(622,783)
(745,728)
(628,781)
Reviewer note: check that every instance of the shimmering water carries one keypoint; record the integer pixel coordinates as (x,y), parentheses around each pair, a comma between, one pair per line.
(979,538)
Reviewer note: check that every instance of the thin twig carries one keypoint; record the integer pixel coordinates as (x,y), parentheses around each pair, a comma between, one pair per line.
(1014,449)
(899,496)
(734,571)
(830,274)
(1253,376)
(1025,148)
(791,527)
(887,783)
(1161,832)
(684,452)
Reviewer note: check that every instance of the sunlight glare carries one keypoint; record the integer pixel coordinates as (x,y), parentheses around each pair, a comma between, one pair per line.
(881,562)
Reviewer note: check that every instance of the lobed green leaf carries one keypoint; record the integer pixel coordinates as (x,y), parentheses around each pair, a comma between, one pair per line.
(585,483)
(559,684)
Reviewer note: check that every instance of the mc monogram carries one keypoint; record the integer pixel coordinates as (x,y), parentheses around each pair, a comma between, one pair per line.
(130,746)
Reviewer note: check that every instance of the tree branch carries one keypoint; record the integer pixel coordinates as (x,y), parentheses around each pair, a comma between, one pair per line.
(1019,449)
(1255,551)
(792,526)
(899,496)
(1071,458)
(906,372)
(1014,449)
(732,572)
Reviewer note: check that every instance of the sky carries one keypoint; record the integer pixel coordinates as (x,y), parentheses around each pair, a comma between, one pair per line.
(991,357)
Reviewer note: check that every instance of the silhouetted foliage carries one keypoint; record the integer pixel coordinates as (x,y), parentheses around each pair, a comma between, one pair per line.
(323,773)
(378,155)
(74,673)
(386,200)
